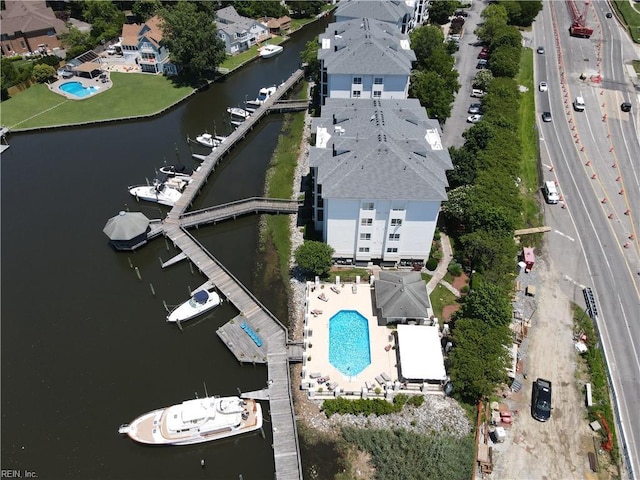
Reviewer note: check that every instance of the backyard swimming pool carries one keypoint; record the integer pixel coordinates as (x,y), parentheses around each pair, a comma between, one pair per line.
(77,90)
(349,349)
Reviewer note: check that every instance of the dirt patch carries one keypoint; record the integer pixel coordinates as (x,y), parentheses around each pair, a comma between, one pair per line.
(460,281)
(448,311)
(558,448)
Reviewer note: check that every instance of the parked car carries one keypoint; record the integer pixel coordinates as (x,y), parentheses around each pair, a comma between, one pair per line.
(540,50)
(550,192)
(541,401)
(483,55)
(482,63)
(543,86)
(476,92)
(625,107)
(474,118)
(546,116)
(609,15)
(475,108)
(63,73)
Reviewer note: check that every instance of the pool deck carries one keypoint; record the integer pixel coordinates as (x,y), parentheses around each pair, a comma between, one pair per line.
(316,340)
(86,82)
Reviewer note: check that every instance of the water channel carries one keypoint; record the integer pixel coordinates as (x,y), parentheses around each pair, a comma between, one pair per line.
(85,345)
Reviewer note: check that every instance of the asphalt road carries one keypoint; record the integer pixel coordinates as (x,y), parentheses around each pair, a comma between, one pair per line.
(595,158)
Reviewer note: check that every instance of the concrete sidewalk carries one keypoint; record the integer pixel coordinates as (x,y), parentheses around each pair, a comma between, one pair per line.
(441,271)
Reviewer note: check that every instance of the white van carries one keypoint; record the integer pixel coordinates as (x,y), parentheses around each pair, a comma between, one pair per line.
(578,104)
(550,192)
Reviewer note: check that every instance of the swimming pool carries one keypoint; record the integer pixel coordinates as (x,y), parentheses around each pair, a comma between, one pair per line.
(77,90)
(349,349)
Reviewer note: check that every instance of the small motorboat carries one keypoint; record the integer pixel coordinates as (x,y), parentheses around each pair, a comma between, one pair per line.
(166,192)
(203,300)
(238,112)
(173,171)
(269,50)
(263,95)
(207,140)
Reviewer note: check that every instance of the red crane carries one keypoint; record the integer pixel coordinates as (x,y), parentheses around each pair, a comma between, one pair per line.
(578,26)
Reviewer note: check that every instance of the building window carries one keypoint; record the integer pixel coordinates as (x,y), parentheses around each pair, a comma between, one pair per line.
(396,222)
(377,81)
(367,206)
(22,44)
(321,215)
(377,94)
(392,250)
(363,249)
(357,80)
(356,94)
(394,237)
(366,222)
(365,236)
(398,209)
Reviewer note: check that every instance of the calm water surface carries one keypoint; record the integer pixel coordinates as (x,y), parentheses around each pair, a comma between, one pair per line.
(85,345)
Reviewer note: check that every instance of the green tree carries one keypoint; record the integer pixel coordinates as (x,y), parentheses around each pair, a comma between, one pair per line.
(479,358)
(489,303)
(315,258)
(523,12)
(105,18)
(425,41)
(191,37)
(305,8)
(43,72)
(310,56)
(495,17)
(482,80)
(440,11)
(433,92)
(76,42)
(265,8)
(505,61)
(464,167)
(8,77)
(145,9)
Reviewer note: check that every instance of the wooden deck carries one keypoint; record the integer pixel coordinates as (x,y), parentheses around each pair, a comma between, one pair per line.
(255,335)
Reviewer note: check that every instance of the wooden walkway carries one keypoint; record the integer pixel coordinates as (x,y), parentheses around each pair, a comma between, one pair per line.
(255,335)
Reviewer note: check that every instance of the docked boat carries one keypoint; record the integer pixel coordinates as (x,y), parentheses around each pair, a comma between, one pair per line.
(165,192)
(207,140)
(263,95)
(201,301)
(269,50)
(196,421)
(238,112)
(173,171)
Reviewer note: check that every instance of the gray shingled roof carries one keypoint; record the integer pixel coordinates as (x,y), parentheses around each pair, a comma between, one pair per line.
(401,295)
(365,46)
(381,151)
(231,22)
(392,11)
(126,226)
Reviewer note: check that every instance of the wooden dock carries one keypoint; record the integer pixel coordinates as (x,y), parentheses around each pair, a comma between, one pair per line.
(255,335)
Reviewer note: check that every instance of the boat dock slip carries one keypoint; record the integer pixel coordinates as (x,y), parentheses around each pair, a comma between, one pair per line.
(211,160)
(255,335)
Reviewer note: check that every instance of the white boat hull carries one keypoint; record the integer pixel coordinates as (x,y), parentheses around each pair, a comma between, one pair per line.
(196,421)
(238,112)
(269,51)
(151,193)
(192,307)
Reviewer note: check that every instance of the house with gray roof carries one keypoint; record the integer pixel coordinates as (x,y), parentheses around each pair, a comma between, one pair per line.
(239,33)
(379,176)
(401,297)
(396,12)
(364,58)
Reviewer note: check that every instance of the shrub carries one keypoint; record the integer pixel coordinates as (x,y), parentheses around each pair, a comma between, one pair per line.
(416,400)
(43,72)
(432,264)
(455,269)
(51,60)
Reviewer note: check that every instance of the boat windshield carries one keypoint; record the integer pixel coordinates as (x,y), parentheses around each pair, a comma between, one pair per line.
(201,296)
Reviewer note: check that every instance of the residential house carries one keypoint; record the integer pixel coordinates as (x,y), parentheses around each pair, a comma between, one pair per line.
(364,58)
(141,45)
(402,297)
(278,26)
(29,26)
(239,33)
(378,172)
(395,12)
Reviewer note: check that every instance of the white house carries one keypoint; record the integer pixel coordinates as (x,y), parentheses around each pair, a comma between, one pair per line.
(378,170)
(364,58)
(239,33)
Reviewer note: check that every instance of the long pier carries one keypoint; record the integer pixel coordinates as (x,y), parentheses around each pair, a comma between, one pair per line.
(255,335)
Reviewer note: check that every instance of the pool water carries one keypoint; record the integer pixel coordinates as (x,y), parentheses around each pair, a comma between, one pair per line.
(349,349)
(77,90)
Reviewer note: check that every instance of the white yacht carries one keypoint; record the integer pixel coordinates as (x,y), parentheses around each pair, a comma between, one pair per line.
(269,50)
(238,112)
(263,94)
(196,421)
(202,300)
(208,140)
(163,192)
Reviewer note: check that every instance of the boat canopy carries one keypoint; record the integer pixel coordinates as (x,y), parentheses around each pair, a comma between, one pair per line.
(201,296)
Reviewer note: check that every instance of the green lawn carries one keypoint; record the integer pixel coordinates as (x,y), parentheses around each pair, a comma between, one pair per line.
(631,17)
(131,95)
